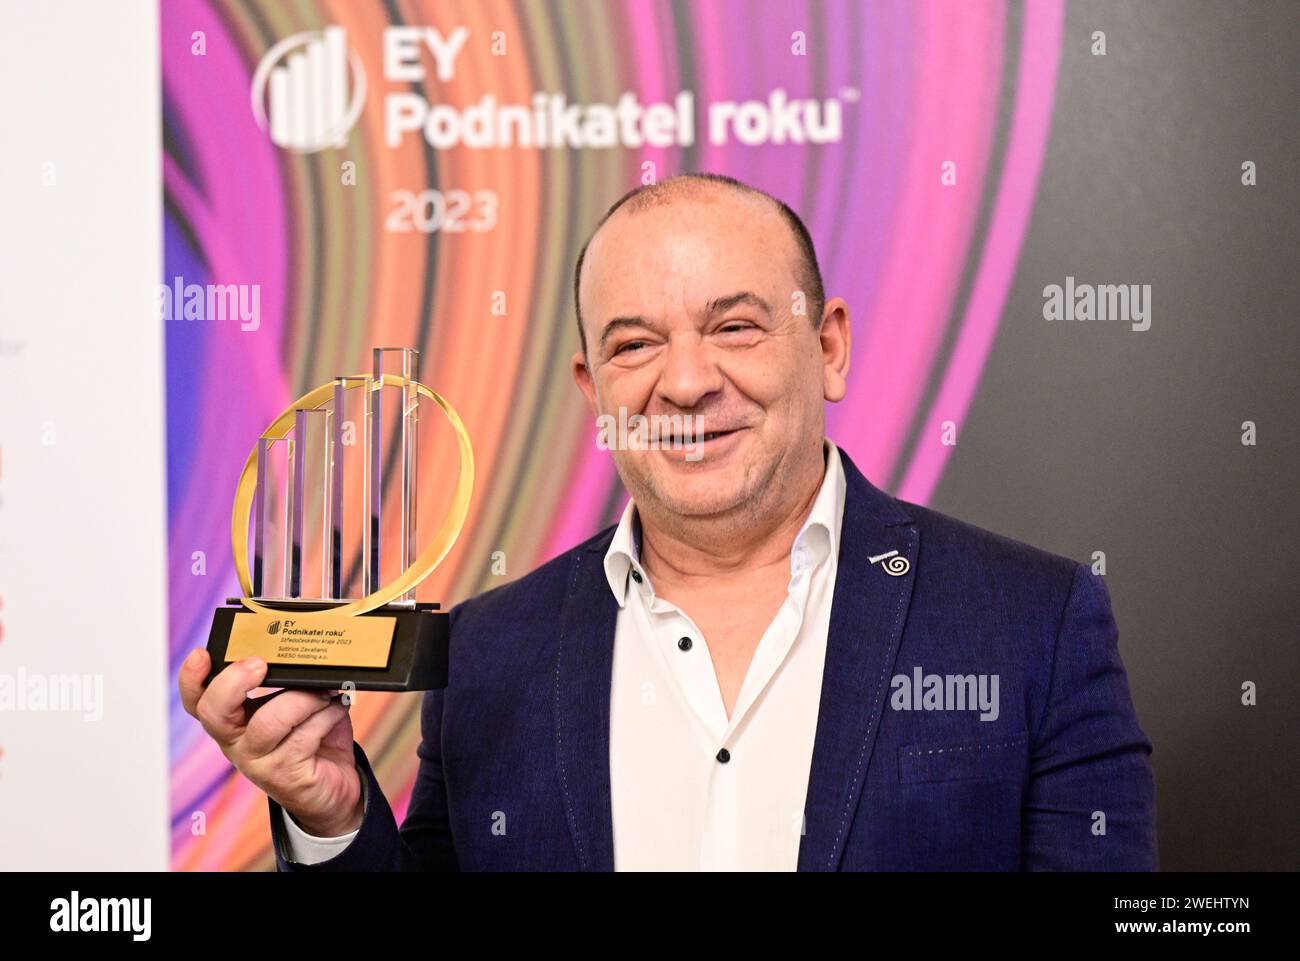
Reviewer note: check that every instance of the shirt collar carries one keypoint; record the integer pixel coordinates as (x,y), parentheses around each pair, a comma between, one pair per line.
(817,540)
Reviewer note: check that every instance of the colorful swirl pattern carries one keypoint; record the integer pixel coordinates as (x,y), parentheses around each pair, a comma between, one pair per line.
(924,267)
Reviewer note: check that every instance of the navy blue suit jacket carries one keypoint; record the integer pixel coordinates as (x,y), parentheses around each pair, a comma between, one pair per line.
(1061,780)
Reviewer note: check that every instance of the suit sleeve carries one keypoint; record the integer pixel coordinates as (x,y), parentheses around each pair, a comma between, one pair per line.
(423,843)
(1090,803)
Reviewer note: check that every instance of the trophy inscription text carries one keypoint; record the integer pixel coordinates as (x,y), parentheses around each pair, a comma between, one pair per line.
(321,640)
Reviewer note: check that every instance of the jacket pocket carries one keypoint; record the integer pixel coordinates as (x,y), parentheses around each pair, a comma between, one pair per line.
(1004,758)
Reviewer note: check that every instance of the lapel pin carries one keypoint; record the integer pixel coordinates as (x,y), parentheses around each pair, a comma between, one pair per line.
(895,565)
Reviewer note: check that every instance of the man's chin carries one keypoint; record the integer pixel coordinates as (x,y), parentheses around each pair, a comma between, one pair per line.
(698,500)
(692,490)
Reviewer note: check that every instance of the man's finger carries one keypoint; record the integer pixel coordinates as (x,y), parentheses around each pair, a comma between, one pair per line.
(221,710)
(306,739)
(275,716)
(193,672)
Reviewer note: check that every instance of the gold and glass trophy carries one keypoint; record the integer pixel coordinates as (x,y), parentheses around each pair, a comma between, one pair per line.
(330,487)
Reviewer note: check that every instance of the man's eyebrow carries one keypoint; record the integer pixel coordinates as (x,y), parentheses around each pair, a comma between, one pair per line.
(620,322)
(720,304)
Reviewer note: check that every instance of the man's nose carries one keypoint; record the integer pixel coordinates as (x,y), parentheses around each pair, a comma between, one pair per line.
(690,373)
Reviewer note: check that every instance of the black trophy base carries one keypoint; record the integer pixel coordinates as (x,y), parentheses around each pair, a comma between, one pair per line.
(417,658)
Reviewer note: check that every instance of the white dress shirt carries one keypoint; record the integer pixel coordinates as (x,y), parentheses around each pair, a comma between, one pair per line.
(676,804)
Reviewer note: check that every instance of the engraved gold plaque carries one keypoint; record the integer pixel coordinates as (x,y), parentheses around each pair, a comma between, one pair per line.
(320,640)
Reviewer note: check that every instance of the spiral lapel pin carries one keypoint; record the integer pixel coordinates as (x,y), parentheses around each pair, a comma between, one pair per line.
(895,565)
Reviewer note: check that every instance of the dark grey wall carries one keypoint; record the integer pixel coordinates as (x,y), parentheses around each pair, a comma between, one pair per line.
(1090,436)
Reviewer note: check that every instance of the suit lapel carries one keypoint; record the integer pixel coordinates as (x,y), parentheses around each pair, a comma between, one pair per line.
(583,675)
(867,616)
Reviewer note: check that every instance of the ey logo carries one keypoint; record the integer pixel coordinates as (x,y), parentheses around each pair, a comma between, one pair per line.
(308,90)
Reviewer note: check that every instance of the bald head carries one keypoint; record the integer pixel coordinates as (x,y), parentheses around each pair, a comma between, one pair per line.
(702,188)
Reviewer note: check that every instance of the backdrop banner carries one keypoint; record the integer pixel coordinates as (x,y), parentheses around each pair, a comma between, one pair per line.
(342,175)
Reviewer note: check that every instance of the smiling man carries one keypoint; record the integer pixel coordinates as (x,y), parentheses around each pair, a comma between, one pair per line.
(768,663)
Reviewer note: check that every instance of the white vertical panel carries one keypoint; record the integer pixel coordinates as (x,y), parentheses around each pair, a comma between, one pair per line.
(83,590)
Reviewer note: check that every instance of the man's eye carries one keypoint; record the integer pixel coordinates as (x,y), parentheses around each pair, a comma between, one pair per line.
(630,345)
(733,326)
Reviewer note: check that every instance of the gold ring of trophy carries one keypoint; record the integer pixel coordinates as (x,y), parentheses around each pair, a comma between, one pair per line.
(423,566)
(383,640)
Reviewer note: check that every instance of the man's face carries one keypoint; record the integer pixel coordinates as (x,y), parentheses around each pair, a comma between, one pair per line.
(689,308)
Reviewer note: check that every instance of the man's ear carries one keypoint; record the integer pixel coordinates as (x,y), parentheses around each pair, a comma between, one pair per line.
(582,377)
(837,346)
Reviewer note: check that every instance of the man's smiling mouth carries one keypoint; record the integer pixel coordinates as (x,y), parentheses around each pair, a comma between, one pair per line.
(688,440)
(701,438)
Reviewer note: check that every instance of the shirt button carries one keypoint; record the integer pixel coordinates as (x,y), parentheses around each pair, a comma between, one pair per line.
(724,756)
(636,577)
(684,644)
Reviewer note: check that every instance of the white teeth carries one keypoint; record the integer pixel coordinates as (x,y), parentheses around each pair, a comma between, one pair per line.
(695,438)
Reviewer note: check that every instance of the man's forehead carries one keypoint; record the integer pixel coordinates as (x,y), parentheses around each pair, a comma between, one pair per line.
(704,245)
(695,206)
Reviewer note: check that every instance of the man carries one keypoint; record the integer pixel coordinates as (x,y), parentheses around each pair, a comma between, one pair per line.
(767,664)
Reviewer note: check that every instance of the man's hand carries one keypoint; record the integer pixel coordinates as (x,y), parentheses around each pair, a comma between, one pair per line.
(294,745)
